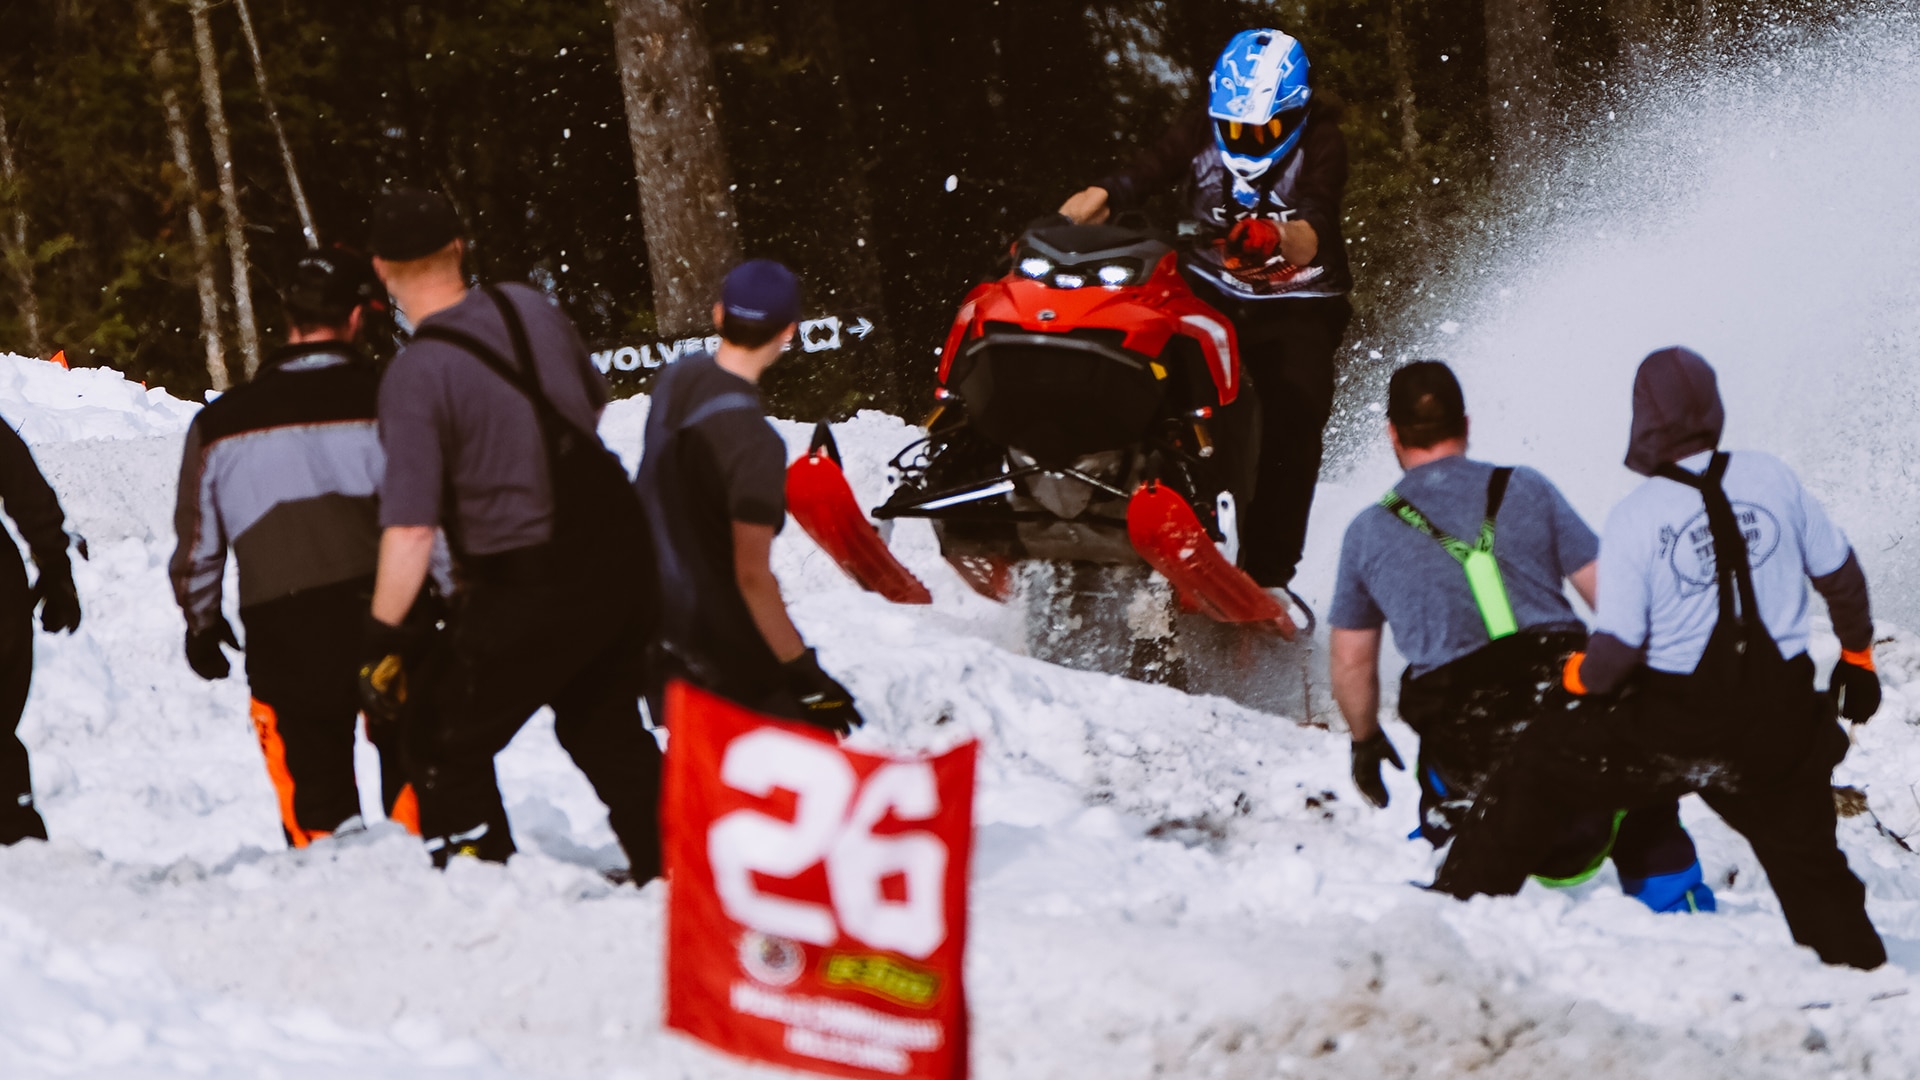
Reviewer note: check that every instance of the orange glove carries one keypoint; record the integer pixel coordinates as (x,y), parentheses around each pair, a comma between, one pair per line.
(1570,675)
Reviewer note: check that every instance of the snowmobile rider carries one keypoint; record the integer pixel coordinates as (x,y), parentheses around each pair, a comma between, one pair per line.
(1486,627)
(713,480)
(284,470)
(489,417)
(36,514)
(1703,621)
(1265,169)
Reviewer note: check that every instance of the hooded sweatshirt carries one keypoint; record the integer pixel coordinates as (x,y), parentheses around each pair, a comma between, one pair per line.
(1659,599)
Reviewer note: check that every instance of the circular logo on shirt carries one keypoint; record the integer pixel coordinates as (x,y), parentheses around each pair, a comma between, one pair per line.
(1690,550)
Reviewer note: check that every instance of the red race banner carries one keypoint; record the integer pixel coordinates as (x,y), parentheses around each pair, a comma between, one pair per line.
(817,914)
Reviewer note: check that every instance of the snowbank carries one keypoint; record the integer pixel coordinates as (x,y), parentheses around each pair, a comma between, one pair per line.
(1164,885)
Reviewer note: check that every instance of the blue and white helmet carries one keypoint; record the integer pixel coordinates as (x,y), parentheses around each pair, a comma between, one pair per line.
(1258,100)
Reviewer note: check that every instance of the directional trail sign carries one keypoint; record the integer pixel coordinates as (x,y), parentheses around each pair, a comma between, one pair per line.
(632,362)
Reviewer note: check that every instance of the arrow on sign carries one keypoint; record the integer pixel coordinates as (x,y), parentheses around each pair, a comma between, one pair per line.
(861,329)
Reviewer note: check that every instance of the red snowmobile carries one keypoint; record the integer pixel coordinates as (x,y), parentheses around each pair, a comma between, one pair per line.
(1091,410)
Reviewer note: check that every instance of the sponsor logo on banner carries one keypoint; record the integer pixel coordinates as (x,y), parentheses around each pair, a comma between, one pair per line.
(817,912)
(830,333)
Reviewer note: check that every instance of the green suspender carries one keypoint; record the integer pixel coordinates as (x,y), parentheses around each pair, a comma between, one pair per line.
(1483,573)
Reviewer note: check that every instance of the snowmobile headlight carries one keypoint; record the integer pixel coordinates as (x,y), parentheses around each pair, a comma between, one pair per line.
(1114,275)
(1069,281)
(1035,267)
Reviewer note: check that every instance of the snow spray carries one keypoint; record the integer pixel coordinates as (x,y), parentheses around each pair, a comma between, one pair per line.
(1764,211)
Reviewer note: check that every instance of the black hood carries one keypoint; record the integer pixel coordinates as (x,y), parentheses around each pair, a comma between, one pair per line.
(1676,410)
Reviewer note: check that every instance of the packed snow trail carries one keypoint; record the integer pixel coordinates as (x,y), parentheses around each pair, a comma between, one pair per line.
(1164,885)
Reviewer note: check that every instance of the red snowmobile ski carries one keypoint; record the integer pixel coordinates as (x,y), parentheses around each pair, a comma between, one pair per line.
(1092,409)
(822,502)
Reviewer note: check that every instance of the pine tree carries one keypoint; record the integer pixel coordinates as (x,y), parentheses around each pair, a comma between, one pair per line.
(307,228)
(686,207)
(14,250)
(186,189)
(234,223)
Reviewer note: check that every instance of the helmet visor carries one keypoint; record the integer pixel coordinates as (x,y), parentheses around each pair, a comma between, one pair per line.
(1259,140)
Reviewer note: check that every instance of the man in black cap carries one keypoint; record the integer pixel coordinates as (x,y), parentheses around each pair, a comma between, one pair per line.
(1696,678)
(1485,627)
(489,417)
(713,479)
(37,516)
(284,471)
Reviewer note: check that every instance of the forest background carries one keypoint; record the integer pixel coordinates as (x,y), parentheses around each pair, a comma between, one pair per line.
(620,154)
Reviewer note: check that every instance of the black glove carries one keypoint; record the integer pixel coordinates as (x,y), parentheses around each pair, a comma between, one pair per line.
(59,601)
(1855,689)
(823,701)
(383,670)
(203,649)
(1368,753)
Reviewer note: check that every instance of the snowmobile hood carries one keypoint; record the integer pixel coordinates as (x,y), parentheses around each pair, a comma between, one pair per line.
(1676,410)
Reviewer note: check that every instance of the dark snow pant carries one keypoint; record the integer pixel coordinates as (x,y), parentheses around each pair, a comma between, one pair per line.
(1287,348)
(515,640)
(303,662)
(1612,753)
(18,818)
(762,689)
(1470,715)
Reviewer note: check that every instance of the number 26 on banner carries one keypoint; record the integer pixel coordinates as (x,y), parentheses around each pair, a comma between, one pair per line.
(887,890)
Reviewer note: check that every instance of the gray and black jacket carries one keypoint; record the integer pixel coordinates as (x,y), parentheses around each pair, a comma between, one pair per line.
(284,470)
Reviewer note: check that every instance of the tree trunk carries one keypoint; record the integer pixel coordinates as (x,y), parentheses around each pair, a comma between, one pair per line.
(1520,77)
(186,188)
(279,132)
(236,225)
(1400,66)
(13,243)
(686,210)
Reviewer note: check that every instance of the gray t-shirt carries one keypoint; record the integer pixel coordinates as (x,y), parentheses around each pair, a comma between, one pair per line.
(444,417)
(1393,574)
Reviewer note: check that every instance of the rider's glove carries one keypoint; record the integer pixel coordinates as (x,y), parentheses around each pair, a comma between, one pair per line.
(383,670)
(204,655)
(1855,685)
(59,600)
(823,701)
(1252,242)
(1368,753)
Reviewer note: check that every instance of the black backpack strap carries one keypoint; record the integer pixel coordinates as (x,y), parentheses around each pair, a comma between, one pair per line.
(1497,491)
(1730,556)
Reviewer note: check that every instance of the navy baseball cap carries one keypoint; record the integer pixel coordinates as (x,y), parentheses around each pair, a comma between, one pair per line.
(761,291)
(410,224)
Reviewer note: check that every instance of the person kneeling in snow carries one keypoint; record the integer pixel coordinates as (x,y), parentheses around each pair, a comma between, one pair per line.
(36,513)
(1485,633)
(284,471)
(1697,678)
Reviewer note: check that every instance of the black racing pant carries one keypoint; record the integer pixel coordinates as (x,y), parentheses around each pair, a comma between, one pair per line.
(1287,347)
(303,660)
(1470,715)
(1624,752)
(18,818)
(517,639)
(750,685)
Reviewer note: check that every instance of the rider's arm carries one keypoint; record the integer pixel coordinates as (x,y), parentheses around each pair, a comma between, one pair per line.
(753,573)
(1586,582)
(1322,187)
(1354,665)
(1845,591)
(1160,165)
